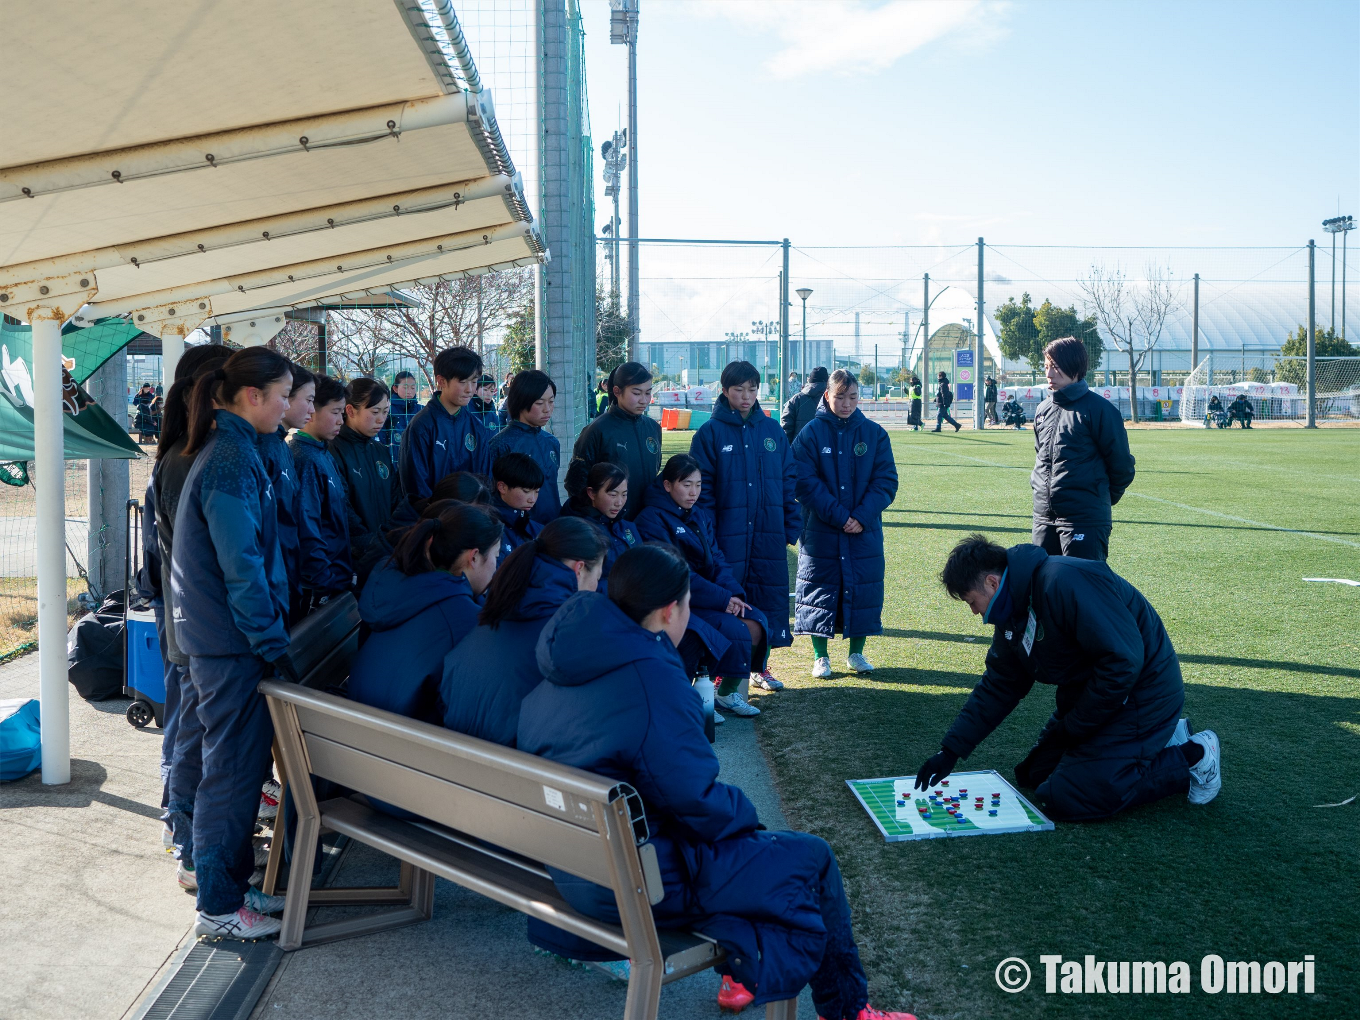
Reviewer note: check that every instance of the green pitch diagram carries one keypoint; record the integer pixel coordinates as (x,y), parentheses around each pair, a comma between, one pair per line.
(965,804)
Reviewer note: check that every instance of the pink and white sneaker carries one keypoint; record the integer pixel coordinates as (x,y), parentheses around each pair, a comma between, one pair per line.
(766,681)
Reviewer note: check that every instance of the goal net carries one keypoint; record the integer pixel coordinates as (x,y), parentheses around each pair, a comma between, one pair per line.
(1278,393)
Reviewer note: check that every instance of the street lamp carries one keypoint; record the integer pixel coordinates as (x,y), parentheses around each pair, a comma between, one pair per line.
(804,293)
(925,328)
(765,330)
(1342,225)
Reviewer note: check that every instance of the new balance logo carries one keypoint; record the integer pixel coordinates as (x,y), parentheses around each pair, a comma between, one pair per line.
(727,448)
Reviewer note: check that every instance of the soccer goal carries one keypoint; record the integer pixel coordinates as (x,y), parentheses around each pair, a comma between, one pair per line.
(1279,393)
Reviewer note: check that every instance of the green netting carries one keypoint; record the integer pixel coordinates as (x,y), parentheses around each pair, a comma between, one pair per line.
(582,224)
(89,348)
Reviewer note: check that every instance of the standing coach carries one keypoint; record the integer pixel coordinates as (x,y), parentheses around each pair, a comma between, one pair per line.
(1082,463)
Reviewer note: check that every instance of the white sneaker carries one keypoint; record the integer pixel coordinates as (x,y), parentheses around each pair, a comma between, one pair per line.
(1181,734)
(821,669)
(168,839)
(262,904)
(766,681)
(269,800)
(718,719)
(240,924)
(736,704)
(261,856)
(186,877)
(1205,776)
(859,663)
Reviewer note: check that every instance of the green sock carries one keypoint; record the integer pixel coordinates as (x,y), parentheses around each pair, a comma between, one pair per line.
(857,644)
(728,685)
(818,647)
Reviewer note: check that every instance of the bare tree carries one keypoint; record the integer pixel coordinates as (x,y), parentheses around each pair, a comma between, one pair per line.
(359,343)
(1132,319)
(297,341)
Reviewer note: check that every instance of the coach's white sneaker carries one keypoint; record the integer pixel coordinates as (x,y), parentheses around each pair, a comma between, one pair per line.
(1181,734)
(821,669)
(1205,775)
(240,924)
(859,663)
(736,704)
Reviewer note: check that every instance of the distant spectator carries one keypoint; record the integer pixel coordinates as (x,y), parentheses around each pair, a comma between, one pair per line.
(802,406)
(483,405)
(914,417)
(1012,413)
(405,406)
(944,399)
(1241,410)
(989,402)
(147,421)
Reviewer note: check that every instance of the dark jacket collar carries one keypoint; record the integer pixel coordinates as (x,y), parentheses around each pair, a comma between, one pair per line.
(348,435)
(726,413)
(236,425)
(1021,563)
(533,430)
(619,412)
(1071,393)
(657,496)
(307,439)
(835,420)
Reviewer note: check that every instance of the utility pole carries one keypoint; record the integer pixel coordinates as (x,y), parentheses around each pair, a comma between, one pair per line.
(925,334)
(977,358)
(1312,335)
(784,312)
(615,155)
(623,30)
(1194,329)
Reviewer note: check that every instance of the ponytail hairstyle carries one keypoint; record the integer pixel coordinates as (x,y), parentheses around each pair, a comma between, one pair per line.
(450,534)
(250,366)
(602,477)
(175,410)
(301,377)
(647,577)
(680,466)
(567,538)
(365,392)
(630,373)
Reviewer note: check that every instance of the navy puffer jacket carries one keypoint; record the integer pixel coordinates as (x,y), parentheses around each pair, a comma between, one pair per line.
(324,562)
(845,469)
(750,488)
(489,672)
(414,621)
(1082,463)
(615,701)
(622,534)
(542,446)
(520,526)
(711,584)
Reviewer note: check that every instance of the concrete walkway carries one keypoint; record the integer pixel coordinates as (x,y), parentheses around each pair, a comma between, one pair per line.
(91,916)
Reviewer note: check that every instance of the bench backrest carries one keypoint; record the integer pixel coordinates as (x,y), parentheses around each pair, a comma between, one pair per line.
(552,813)
(324,643)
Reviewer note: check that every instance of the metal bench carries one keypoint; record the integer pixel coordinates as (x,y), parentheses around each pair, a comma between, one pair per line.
(492,819)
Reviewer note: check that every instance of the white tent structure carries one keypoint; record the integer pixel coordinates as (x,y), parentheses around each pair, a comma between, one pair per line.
(176,163)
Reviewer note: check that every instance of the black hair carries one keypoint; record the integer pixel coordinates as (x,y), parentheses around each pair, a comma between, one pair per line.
(647,577)
(457,363)
(517,471)
(738,373)
(328,390)
(840,380)
(486,380)
(969,561)
(450,534)
(364,392)
(526,388)
(1069,354)
(630,373)
(463,486)
(250,366)
(567,538)
(680,466)
(817,375)
(175,407)
(602,477)
(301,377)
(396,380)
(942,377)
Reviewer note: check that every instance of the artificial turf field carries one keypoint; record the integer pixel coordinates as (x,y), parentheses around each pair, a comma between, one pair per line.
(1270,663)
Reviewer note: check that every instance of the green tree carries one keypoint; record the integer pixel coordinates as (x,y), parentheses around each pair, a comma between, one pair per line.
(613,333)
(866,376)
(518,346)
(1019,335)
(1052,322)
(1326,344)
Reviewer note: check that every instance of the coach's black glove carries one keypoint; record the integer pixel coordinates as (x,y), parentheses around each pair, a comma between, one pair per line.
(940,765)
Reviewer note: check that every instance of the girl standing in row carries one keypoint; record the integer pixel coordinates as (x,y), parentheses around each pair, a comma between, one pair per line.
(624,435)
(324,565)
(371,483)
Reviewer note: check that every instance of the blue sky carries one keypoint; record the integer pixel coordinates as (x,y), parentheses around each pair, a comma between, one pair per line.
(1029,123)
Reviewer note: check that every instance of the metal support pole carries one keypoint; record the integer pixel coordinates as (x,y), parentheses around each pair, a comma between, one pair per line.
(50,468)
(1343,280)
(1194,329)
(322,352)
(172,349)
(634,298)
(1312,332)
(784,301)
(977,358)
(925,335)
(803,351)
(1343,283)
(108,484)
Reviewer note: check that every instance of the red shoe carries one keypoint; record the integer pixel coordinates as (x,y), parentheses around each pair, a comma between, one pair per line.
(869,1013)
(733,996)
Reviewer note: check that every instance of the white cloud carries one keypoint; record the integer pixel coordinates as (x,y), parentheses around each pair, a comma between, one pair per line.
(852,36)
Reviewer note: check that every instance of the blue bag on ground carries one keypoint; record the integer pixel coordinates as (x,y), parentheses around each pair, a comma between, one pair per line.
(20,741)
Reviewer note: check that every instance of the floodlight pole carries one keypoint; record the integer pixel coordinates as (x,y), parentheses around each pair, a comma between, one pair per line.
(1194,328)
(623,29)
(977,359)
(1312,337)
(784,310)
(925,334)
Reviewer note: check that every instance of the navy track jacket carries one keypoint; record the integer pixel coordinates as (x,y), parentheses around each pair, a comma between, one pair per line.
(324,562)
(278,462)
(437,443)
(542,446)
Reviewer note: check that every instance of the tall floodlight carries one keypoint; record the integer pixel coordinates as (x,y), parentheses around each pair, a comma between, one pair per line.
(978,423)
(623,29)
(1342,225)
(614,152)
(804,293)
(765,329)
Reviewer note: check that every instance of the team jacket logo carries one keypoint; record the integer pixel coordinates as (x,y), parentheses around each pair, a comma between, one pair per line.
(826,449)
(383,470)
(552,456)
(861,449)
(651,445)
(769,444)
(470,441)
(727,448)
(679,530)
(627,537)
(439,443)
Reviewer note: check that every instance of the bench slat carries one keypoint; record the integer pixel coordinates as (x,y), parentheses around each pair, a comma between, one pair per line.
(544,837)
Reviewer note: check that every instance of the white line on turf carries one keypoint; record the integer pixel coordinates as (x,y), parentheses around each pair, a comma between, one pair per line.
(1245,520)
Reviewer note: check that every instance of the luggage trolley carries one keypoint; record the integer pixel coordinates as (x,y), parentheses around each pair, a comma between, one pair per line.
(143,672)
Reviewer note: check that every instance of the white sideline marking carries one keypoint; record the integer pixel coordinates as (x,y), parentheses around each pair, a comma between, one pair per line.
(1244,520)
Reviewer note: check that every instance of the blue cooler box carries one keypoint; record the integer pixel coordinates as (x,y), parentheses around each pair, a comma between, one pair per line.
(144,675)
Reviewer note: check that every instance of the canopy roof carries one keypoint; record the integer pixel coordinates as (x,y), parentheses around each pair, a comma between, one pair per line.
(329,152)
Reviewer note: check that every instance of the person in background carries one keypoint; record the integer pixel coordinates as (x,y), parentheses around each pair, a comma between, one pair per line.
(403,408)
(146,424)
(278,463)
(483,405)
(624,435)
(324,565)
(1214,413)
(489,672)
(418,604)
(802,406)
(846,479)
(1241,410)
(1115,739)
(989,402)
(529,408)
(231,615)
(750,489)
(914,415)
(944,399)
(601,397)
(442,439)
(1013,412)
(372,486)
(672,515)
(615,701)
(518,482)
(1082,463)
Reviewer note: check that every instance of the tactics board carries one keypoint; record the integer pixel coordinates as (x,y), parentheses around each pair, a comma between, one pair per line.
(965,804)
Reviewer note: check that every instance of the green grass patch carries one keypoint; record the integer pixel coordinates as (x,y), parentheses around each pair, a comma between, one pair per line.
(1270,662)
